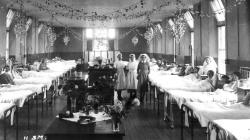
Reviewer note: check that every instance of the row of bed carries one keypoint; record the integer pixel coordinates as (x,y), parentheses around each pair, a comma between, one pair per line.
(31,86)
(219,111)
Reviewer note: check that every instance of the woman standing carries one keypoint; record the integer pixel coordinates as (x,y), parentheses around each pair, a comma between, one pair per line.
(143,70)
(121,81)
(132,76)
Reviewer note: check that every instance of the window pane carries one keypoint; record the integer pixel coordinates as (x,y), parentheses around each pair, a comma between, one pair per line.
(219,9)
(89,33)
(111,33)
(101,33)
(100,45)
(9,18)
(171,23)
(192,46)
(189,19)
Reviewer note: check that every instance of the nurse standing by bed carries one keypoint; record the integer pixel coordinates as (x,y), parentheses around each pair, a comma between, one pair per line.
(143,70)
(132,76)
(121,79)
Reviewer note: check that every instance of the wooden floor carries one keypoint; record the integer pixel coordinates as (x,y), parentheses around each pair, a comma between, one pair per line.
(142,123)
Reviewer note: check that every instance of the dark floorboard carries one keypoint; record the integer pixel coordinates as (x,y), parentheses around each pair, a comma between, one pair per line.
(142,123)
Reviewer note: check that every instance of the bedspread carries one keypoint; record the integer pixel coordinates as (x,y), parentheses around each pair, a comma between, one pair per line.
(3,108)
(240,129)
(165,81)
(34,80)
(206,112)
(33,87)
(221,96)
(16,97)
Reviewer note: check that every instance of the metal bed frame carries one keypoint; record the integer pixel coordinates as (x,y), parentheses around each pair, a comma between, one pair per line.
(10,109)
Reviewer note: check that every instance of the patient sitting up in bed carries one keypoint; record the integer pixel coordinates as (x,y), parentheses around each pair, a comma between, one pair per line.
(43,65)
(224,80)
(6,77)
(209,81)
(233,85)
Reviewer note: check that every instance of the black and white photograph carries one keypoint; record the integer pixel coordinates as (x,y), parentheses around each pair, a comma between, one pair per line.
(124,70)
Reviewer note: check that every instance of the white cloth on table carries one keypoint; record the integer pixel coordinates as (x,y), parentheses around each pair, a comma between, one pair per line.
(16,97)
(100,116)
(132,75)
(240,129)
(206,112)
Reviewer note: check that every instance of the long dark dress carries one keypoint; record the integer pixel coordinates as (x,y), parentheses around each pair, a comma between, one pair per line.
(143,70)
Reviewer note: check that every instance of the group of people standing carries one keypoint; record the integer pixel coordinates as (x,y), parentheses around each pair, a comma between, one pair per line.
(132,76)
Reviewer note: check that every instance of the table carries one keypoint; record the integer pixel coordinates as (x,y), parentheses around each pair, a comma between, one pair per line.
(66,130)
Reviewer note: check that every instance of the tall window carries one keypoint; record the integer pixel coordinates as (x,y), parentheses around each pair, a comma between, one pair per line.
(219,11)
(192,48)
(190,21)
(100,41)
(221,50)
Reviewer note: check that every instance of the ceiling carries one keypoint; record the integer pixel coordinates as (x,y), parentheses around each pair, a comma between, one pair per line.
(134,9)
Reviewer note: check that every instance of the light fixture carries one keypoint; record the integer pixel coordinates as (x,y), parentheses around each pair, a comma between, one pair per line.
(66,40)
(135,40)
(51,36)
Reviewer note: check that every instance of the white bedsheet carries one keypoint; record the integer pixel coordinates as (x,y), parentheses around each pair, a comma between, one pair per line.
(34,80)
(32,87)
(206,112)
(3,108)
(165,81)
(61,65)
(45,73)
(221,96)
(240,129)
(16,97)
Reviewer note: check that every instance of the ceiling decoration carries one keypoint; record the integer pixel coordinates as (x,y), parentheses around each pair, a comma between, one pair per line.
(51,35)
(114,13)
(177,25)
(20,22)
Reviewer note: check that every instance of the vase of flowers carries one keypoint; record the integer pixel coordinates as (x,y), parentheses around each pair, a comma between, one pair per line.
(116,123)
(116,113)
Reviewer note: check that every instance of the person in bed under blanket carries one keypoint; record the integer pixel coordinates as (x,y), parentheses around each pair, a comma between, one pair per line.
(208,83)
(234,84)
(6,77)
